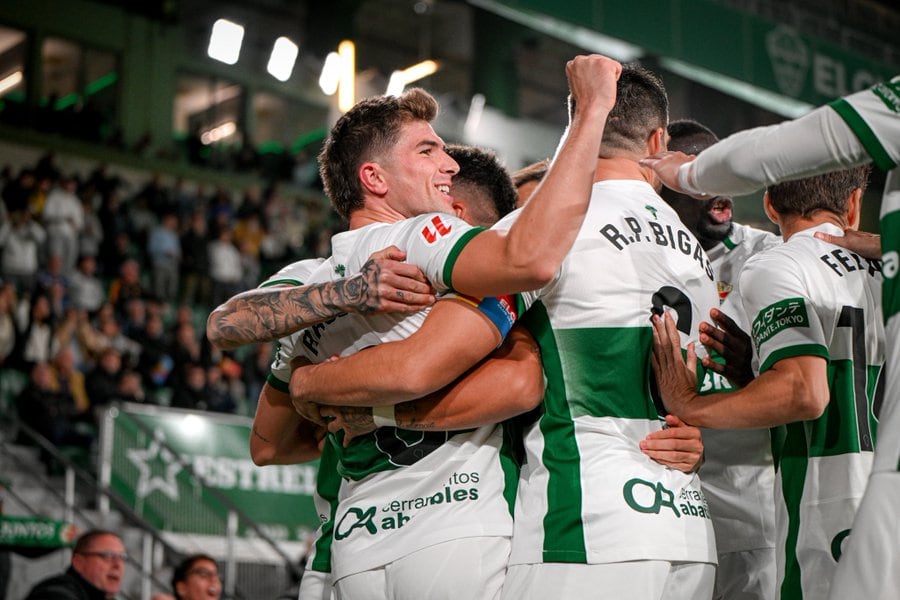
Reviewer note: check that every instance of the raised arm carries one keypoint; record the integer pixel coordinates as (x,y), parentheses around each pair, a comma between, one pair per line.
(384,284)
(453,338)
(507,383)
(530,253)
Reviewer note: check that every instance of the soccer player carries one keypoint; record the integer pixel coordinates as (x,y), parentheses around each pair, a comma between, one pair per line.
(738,476)
(592,511)
(860,128)
(816,325)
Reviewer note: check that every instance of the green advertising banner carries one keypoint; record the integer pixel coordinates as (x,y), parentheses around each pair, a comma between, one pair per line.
(183,471)
(35,532)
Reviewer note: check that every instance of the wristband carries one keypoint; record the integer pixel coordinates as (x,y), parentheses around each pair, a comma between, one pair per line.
(383,416)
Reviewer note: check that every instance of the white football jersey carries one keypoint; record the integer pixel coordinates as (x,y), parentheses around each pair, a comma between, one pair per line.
(587,493)
(810,298)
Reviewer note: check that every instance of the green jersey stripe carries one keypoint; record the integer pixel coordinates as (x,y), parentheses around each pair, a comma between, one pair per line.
(864,133)
(277,384)
(793,473)
(328,484)
(274,282)
(508,464)
(563,527)
(454,254)
(798,350)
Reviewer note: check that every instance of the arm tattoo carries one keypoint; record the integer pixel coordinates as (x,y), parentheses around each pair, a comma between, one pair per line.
(267,314)
(407,417)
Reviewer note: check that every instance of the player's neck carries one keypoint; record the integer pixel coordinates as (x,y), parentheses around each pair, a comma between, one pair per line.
(620,167)
(791,224)
(374,212)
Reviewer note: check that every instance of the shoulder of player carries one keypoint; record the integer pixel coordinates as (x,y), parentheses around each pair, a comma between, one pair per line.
(295,273)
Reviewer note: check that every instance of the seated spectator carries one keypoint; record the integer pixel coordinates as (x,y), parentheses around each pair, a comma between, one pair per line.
(189,390)
(95,573)
(85,288)
(35,340)
(68,379)
(225,267)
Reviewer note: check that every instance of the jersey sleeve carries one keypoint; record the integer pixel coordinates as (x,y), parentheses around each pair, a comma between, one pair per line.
(859,128)
(783,323)
(433,242)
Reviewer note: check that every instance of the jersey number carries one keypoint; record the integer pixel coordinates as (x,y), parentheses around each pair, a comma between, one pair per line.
(681,304)
(854,318)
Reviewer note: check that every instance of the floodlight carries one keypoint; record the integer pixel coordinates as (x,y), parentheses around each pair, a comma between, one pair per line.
(225,41)
(281,62)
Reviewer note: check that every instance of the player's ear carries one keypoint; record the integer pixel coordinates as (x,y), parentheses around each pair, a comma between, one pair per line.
(854,208)
(371,176)
(770,210)
(657,141)
(459,209)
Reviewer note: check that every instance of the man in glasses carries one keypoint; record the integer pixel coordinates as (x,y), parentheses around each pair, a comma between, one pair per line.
(197,577)
(95,573)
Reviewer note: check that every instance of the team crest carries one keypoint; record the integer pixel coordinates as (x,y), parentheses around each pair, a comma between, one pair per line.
(651,209)
(435,230)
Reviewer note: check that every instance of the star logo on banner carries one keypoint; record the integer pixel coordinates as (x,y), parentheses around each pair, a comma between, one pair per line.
(155,453)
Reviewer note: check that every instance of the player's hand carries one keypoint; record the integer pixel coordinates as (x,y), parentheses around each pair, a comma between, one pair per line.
(675,378)
(305,407)
(732,344)
(666,165)
(390,285)
(867,245)
(592,82)
(355,421)
(678,446)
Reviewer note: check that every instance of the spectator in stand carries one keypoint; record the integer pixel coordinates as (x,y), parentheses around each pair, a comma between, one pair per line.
(35,341)
(102,382)
(21,242)
(68,379)
(95,573)
(63,218)
(255,370)
(85,288)
(189,390)
(130,388)
(91,238)
(126,286)
(17,192)
(53,281)
(164,251)
(155,363)
(195,283)
(111,336)
(225,268)
(219,397)
(7,322)
(197,578)
(135,319)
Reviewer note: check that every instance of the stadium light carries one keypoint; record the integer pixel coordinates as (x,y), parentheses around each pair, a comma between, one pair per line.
(219,133)
(347,85)
(281,62)
(10,81)
(400,79)
(331,74)
(225,41)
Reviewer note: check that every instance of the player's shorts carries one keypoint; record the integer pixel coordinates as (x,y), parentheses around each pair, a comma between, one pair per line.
(316,585)
(868,563)
(746,575)
(464,569)
(635,580)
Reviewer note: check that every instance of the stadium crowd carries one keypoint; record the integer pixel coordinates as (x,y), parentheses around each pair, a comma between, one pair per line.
(106,283)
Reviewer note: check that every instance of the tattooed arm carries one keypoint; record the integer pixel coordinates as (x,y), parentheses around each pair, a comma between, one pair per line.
(507,383)
(385,284)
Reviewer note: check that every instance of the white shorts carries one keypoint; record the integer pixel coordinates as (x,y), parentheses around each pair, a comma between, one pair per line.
(464,569)
(315,585)
(869,566)
(746,575)
(635,580)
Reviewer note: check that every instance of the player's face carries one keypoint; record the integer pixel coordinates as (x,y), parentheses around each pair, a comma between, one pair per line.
(419,172)
(202,582)
(102,564)
(709,220)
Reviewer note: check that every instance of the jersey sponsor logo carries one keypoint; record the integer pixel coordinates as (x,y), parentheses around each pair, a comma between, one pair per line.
(654,498)
(397,513)
(784,314)
(723,288)
(637,231)
(435,230)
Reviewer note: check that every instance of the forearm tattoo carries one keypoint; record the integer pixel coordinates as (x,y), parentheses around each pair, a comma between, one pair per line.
(407,417)
(265,315)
